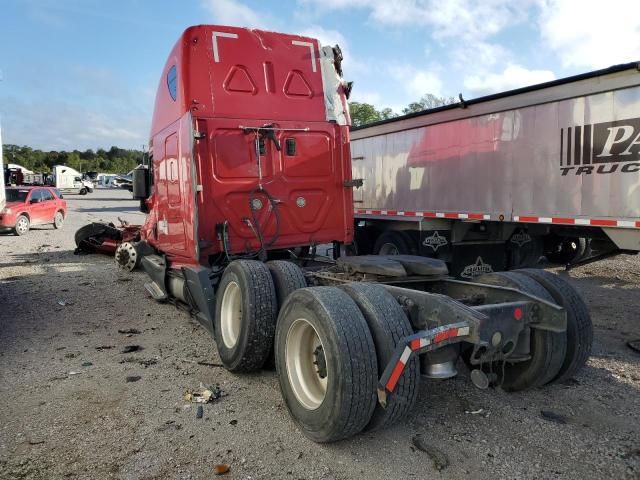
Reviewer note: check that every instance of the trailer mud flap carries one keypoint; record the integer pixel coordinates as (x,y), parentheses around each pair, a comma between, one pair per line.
(202,294)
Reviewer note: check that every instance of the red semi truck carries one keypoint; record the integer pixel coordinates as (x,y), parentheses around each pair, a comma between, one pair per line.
(249,171)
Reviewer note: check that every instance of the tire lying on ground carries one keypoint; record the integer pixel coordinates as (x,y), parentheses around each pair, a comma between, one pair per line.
(246,309)
(547,349)
(387,324)
(579,325)
(326,363)
(95,230)
(393,243)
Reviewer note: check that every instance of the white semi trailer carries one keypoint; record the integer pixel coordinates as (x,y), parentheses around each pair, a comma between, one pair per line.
(495,182)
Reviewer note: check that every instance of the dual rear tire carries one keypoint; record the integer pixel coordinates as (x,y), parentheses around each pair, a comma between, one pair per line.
(330,345)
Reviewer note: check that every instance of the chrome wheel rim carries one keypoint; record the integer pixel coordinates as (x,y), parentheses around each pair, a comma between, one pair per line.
(306,369)
(231,314)
(23,225)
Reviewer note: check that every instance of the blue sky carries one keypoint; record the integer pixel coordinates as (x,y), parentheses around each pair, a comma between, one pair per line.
(83,73)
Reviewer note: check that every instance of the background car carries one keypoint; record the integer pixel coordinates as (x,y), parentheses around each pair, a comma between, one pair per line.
(27,206)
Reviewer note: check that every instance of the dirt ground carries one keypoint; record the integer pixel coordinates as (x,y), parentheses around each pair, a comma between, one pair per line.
(75,406)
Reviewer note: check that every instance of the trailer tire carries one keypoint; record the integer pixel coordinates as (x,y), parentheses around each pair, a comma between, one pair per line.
(393,242)
(246,309)
(320,331)
(565,250)
(83,191)
(548,349)
(388,324)
(579,325)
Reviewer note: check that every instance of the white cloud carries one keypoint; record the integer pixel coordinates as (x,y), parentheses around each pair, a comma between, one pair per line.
(513,76)
(591,34)
(480,55)
(64,126)
(230,12)
(467,19)
(416,82)
(373,98)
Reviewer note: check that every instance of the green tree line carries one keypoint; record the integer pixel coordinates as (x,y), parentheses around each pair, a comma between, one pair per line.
(114,160)
(364,113)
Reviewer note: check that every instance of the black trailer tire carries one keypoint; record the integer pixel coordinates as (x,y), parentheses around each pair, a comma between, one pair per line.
(83,191)
(565,250)
(393,242)
(22,225)
(579,325)
(287,277)
(246,309)
(548,349)
(329,390)
(388,324)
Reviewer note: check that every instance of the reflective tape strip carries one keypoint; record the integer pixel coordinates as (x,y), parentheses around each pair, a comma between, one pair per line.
(398,369)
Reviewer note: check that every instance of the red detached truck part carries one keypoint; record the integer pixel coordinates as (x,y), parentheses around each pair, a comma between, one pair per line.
(249,171)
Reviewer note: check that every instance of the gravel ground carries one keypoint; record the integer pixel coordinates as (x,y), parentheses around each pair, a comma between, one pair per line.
(71,410)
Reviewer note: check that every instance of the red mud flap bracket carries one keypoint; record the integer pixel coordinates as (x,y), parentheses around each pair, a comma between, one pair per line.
(421,342)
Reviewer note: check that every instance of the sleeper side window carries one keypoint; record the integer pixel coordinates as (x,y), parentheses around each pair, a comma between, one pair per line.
(172,82)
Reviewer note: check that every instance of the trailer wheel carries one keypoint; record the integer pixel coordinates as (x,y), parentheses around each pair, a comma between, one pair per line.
(83,191)
(246,310)
(565,250)
(387,324)
(579,325)
(326,363)
(547,349)
(22,225)
(393,242)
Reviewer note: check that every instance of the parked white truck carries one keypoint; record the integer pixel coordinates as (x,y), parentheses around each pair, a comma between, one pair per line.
(493,183)
(69,180)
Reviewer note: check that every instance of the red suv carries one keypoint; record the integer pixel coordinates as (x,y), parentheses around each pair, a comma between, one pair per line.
(28,206)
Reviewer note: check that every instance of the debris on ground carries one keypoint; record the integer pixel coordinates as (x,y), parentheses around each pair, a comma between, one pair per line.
(145,362)
(203,394)
(133,378)
(104,347)
(74,373)
(634,344)
(438,457)
(200,412)
(86,364)
(221,469)
(64,303)
(480,411)
(202,362)
(233,422)
(129,331)
(553,417)
(71,355)
(131,348)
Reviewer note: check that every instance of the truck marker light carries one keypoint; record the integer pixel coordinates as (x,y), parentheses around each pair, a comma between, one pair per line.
(517,313)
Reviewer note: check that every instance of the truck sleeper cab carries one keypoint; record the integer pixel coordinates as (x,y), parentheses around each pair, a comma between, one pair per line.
(250,171)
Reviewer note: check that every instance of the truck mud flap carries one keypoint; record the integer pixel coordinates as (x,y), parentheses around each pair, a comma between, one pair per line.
(156,268)
(202,294)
